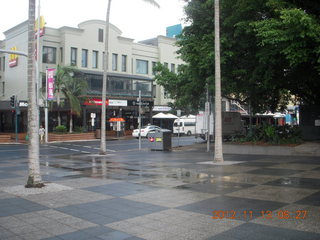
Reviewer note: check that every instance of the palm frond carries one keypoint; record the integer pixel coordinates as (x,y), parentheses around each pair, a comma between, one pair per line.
(154,3)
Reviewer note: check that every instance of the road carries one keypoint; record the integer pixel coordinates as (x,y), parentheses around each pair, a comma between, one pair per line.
(13,151)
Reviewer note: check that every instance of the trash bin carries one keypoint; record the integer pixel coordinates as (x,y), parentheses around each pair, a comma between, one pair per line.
(98,133)
(160,140)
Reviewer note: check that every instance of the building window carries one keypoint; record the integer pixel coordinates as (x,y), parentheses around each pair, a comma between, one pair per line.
(100,35)
(173,68)
(95,59)
(141,66)
(3,91)
(84,61)
(166,65)
(61,54)
(114,62)
(124,63)
(153,66)
(73,56)
(49,55)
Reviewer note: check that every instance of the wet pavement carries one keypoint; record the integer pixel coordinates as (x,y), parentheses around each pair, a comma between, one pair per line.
(162,195)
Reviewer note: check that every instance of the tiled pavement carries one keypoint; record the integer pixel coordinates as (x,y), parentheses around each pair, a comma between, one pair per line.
(159,195)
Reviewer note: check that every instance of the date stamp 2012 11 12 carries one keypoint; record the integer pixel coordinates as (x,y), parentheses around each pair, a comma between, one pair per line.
(264,214)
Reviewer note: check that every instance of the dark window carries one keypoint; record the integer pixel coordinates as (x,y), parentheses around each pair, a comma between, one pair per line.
(124,63)
(114,62)
(100,35)
(173,67)
(84,61)
(73,56)
(49,55)
(61,54)
(95,59)
(141,66)
(189,124)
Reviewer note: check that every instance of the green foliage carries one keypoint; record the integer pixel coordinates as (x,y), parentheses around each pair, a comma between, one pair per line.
(180,86)
(73,88)
(60,129)
(270,49)
(78,129)
(272,134)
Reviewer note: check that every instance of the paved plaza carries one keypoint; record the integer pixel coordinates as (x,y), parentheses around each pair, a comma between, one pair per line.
(162,195)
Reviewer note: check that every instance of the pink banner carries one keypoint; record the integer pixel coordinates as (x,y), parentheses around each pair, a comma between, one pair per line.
(50,83)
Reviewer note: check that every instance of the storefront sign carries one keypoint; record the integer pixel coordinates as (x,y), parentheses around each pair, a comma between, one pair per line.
(23,103)
(50,83)
(161,109)
(118,103)
(109,102)
(13,58)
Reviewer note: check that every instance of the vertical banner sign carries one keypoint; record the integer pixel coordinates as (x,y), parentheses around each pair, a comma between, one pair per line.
(50,84)
(13,58)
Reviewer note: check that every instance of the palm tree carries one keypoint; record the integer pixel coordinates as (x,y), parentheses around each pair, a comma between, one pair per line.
(73,88)
(63,74)
(34,176)
(103,149)
(218,152)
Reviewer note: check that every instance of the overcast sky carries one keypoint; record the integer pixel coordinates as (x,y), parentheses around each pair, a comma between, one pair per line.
(135,18)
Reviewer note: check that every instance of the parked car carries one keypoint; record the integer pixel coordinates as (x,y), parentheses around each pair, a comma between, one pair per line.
(145,130)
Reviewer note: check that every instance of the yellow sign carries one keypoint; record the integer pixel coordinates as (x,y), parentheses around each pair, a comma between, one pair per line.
(42,25)
(13,58)
(158,139)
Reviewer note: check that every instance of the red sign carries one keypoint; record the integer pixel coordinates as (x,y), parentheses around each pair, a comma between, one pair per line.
(116,120)
(95,102)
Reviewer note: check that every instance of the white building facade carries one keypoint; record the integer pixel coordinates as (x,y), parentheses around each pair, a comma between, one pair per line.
(130,67)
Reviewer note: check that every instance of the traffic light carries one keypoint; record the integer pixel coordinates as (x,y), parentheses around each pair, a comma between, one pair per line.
(13,101)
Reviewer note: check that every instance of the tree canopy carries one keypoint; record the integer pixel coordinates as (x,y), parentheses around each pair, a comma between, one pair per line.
(269,51)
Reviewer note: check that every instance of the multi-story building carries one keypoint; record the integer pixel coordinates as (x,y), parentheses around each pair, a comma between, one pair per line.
(130,67)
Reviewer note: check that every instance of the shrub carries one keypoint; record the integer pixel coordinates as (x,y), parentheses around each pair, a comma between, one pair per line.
(60,129)
(272,134)
(78,129)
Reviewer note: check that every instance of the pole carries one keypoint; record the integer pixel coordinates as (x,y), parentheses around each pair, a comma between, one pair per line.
(179,132)
(46,111)
(139,120)
(208,119)
(16,120)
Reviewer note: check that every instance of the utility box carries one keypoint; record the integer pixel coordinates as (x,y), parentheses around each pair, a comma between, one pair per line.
(160,140)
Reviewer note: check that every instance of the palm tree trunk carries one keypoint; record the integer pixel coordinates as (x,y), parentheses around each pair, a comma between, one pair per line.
(103,149)
(71,123)
(34,177)
(58,104)
(218,152)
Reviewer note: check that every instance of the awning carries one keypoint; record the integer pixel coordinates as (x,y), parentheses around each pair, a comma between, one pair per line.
(165,116)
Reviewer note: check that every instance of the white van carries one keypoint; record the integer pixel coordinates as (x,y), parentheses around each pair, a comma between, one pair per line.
(185,125)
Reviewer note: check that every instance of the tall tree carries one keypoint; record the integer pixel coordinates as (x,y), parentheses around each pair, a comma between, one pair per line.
(269,51)
(73,88)
(34,176)
(103,149)
(218,152)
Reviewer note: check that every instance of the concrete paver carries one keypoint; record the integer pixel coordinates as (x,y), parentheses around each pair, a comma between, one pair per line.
(165,195)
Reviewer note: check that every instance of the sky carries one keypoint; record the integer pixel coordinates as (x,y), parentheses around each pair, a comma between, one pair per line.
(136,19)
